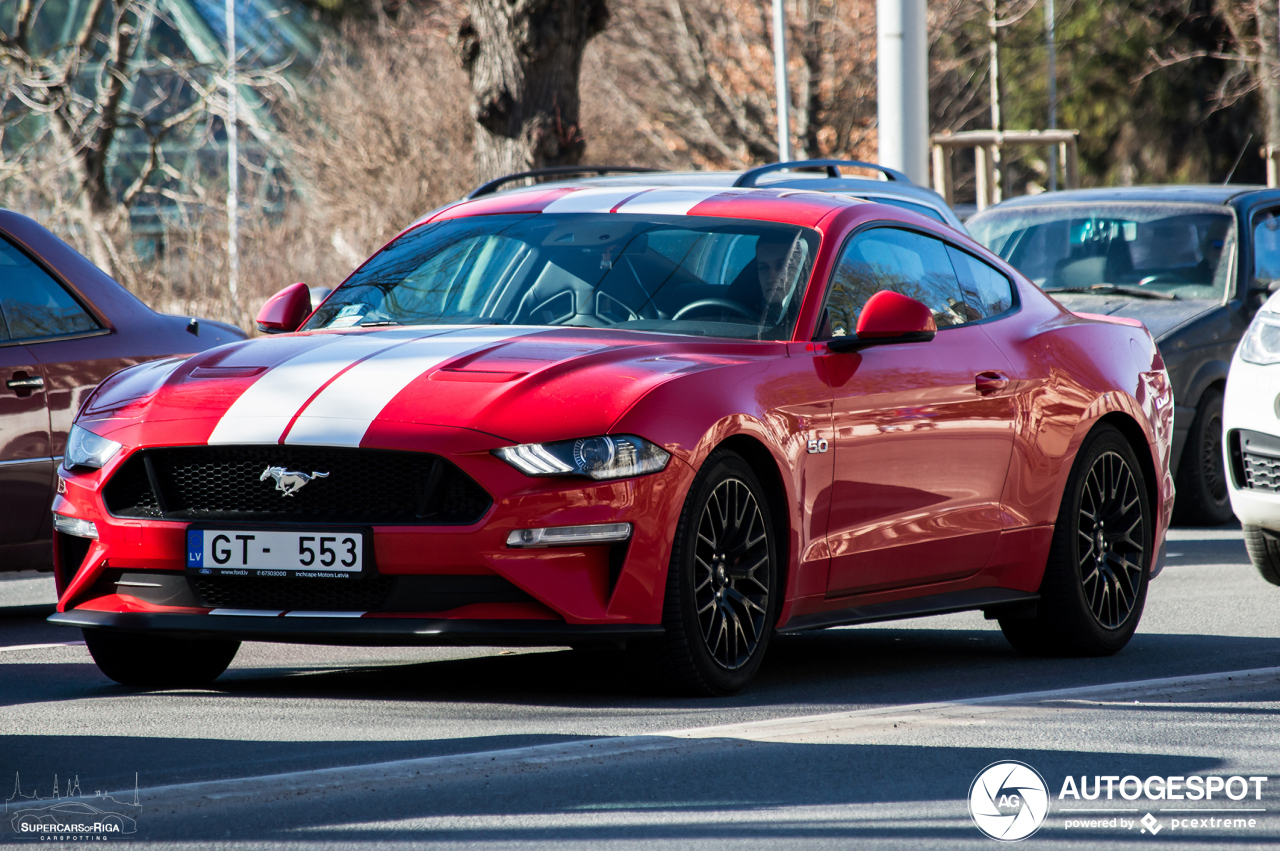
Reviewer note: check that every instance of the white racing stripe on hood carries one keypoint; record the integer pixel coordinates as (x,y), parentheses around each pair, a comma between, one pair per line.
(264,410)
(343,411)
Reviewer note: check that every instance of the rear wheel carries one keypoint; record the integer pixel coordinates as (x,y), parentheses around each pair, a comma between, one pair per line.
(1202,475)
(152,661)
(721,598)
(1264,551)
(1095,582)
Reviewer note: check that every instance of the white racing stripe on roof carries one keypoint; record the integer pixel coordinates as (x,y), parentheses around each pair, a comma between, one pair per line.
(593,199)
(670,202)
(343,411)
(264,410)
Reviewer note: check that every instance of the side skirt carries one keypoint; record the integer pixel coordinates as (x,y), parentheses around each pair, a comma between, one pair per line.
(935,604)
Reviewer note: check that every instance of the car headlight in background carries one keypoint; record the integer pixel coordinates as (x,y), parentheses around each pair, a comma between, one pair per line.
(86,449)
(614,457)
(1261,343)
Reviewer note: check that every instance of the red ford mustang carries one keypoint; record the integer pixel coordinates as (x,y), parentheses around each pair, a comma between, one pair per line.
(682,420)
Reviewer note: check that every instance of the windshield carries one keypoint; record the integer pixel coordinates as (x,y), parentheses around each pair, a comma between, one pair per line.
(677,274)
(1170,249)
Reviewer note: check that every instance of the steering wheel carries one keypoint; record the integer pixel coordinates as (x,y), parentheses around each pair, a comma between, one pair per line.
(728,304)
(1162,278)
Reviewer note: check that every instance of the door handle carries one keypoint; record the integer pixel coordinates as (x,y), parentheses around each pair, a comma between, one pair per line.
(23,385)
(990,382)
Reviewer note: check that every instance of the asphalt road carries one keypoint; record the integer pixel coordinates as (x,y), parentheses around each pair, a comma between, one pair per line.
(335,747)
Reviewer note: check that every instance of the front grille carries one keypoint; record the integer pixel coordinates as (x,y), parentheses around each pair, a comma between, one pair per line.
(1262,472)
(363,486)
(288,593)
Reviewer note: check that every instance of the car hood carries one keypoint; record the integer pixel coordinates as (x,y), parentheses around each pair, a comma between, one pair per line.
(1160,316)
(339,388)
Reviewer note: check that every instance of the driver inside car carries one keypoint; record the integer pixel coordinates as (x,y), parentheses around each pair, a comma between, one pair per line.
(764,285)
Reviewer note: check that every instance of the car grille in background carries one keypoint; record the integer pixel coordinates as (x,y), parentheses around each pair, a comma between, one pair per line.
(1262,472)
(211,483)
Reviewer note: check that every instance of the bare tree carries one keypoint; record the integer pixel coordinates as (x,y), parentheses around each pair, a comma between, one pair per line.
(70,107)
(524,59)
(695,77)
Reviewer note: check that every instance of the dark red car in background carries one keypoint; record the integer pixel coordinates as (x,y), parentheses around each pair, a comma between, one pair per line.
(64,326)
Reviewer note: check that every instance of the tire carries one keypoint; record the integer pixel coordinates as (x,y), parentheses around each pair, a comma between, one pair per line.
(1202,474)
(1264,551)
(152,661)
(1091,597)
(722,595)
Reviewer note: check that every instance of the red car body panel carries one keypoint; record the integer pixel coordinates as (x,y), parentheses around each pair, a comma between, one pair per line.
(933,486)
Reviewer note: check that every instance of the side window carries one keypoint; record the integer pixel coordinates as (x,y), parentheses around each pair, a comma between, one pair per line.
(898,260)
(34,304)
(1266,246)
(989,292)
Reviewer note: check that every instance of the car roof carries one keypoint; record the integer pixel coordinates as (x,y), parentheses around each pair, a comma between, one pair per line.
(793,206)
(1187,194)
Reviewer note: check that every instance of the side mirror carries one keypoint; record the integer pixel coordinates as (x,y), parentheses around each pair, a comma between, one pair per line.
(888,317)
(286,310)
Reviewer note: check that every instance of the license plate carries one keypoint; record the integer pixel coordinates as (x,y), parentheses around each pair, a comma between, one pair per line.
(255,552)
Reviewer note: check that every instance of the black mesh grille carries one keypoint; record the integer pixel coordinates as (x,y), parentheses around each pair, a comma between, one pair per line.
(325,595)
(362,486)
(129,492)
(1262,472)
(416,593)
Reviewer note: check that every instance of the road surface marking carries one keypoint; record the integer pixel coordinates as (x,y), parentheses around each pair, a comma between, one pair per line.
(416,771)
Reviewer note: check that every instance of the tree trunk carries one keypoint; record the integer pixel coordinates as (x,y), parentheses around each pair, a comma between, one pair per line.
(523,58)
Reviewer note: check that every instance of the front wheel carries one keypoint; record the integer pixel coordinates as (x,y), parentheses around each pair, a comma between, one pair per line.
(1095,582)
(721,598)
(153,661)
(1264,551)
(1202,475)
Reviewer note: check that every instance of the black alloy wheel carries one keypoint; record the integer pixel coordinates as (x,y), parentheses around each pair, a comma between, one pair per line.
(730,558)
(1202,474)
(1095,581)
(722,595)
(1112,533)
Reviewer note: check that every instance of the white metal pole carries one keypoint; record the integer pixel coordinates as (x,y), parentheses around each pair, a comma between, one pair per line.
(902,70)
(780,80)
(1051,44)
(233,164)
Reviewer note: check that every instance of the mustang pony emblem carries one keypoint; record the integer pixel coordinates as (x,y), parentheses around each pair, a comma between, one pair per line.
(289,482)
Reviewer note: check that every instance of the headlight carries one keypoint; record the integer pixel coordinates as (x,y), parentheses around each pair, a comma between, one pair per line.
(1261,343)
(598,457)
(86,449)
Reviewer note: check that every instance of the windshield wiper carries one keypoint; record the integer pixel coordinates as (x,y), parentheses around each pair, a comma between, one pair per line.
(379,324)
(1108,289)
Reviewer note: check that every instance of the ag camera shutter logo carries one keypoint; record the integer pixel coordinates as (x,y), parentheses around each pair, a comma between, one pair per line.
(1008,801)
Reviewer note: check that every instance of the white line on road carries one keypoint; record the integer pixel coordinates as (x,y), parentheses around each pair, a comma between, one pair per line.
(41,646)
(384,775)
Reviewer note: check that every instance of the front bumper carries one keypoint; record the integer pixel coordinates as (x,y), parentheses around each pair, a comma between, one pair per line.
(598,585)
(362,631)
(1251,403)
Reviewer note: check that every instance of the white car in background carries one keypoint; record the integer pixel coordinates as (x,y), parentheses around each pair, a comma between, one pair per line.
(1251,419)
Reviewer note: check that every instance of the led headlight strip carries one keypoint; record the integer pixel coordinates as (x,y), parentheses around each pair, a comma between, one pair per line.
(604,457)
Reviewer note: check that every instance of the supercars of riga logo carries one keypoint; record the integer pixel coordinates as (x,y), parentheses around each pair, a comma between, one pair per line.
(1008,801)
(289,482)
